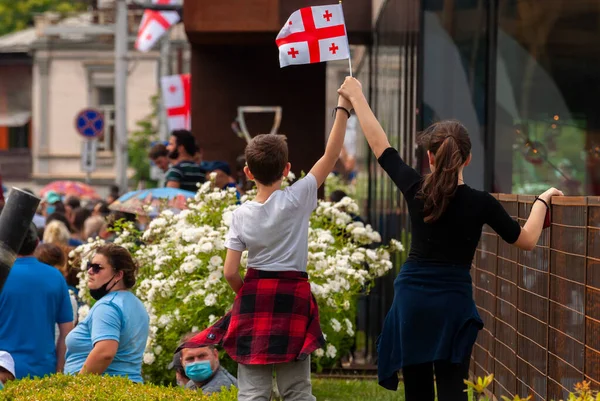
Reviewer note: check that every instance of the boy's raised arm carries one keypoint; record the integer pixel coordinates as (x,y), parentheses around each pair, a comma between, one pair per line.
(325,164)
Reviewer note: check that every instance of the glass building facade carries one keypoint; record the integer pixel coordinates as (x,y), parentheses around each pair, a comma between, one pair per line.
(521,75)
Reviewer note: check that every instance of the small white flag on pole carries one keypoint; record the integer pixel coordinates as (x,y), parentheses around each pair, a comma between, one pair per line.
(154,25)
(176,99)
(313,35)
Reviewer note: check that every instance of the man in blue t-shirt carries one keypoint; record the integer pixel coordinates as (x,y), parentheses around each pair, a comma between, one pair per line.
(34,299)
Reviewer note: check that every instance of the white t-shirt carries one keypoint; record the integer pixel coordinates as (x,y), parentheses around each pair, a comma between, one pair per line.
(275,233)
(350,138)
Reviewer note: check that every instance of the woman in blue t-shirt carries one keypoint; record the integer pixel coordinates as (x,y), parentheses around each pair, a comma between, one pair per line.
(112,338)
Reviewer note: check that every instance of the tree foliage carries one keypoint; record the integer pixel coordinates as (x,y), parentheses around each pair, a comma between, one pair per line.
(140,141)
(16,15)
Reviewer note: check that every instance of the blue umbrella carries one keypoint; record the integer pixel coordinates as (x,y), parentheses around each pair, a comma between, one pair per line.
(158,198)
(157,193)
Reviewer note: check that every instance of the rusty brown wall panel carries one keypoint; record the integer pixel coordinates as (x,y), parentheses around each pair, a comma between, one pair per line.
(563,374)
(533,331)
(567,350)
(547,302)
(506,380)
(567,321)
(592,351)
(594,243)
(593,303)
(571,267)
(529,379)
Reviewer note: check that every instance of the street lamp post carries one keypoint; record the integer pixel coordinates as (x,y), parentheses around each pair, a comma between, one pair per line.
(121,46)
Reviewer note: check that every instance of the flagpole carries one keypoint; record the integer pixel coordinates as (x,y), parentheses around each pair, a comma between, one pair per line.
(347,42)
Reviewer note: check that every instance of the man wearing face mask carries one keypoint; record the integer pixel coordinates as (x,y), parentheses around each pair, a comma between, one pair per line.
(202,367)
(53,203)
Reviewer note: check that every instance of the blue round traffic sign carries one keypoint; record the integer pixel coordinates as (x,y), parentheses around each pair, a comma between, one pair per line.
(90,123)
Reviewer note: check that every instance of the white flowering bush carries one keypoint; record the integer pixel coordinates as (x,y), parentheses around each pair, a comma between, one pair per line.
(181,279)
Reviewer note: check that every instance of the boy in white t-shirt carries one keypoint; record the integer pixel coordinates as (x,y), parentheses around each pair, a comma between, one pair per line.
(274,322)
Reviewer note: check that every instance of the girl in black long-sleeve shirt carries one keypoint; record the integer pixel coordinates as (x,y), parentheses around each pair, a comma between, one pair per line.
(433,322)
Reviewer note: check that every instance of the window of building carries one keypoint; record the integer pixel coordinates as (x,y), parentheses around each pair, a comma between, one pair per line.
(454,72)
(104,101)
(547,120)
(18,137)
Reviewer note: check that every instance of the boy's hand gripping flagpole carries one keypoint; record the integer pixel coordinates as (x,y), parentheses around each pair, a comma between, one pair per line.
(348,43)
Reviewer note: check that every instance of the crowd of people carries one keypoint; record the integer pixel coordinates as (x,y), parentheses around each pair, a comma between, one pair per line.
(43,285)
(181,160)
(40,332)
(273,326)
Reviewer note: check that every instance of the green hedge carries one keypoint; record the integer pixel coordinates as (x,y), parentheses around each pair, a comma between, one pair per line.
(100,388)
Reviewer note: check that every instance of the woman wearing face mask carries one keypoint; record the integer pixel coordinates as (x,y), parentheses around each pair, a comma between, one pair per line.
(112,338)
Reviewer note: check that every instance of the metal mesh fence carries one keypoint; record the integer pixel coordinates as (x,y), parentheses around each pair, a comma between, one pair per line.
(541,309)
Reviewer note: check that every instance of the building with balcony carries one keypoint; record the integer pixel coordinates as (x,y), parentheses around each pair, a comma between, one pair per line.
(62,66)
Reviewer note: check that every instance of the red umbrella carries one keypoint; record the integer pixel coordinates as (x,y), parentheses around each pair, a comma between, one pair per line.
(69,188)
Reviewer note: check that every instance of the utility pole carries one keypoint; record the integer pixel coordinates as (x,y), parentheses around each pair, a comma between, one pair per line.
(164,70)
(121,70)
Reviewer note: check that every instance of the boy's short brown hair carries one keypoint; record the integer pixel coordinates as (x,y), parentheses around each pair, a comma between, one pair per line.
(267,156)
(158,150)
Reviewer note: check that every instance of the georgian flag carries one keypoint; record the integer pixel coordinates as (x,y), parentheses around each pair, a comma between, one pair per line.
(313,35)
(176,100)
(154,24)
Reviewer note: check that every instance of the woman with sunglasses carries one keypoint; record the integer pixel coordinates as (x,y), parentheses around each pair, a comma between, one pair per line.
(112,338)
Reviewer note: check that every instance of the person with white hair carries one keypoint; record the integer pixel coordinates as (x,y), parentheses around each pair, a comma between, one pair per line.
(7,368)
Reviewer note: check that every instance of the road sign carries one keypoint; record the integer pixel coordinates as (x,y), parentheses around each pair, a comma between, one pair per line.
(88,155)
(89,123)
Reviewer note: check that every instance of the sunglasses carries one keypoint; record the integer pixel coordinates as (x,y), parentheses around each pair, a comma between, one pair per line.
(96,267)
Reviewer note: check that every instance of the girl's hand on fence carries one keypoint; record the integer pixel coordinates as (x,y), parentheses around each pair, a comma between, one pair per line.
(547,196)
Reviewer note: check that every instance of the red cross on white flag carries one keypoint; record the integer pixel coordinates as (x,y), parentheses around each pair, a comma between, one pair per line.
(154,24)
(176,99)
(313,35)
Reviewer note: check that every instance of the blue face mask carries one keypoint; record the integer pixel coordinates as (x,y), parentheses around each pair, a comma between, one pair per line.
(50,209)
(199,371)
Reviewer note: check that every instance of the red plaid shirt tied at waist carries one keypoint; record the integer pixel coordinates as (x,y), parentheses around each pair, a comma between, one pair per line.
(274,319)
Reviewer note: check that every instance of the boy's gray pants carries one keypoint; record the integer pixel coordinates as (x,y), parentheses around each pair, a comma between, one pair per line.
(255,382)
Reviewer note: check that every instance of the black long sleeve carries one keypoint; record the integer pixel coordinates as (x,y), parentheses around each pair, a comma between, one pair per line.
(454,237)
